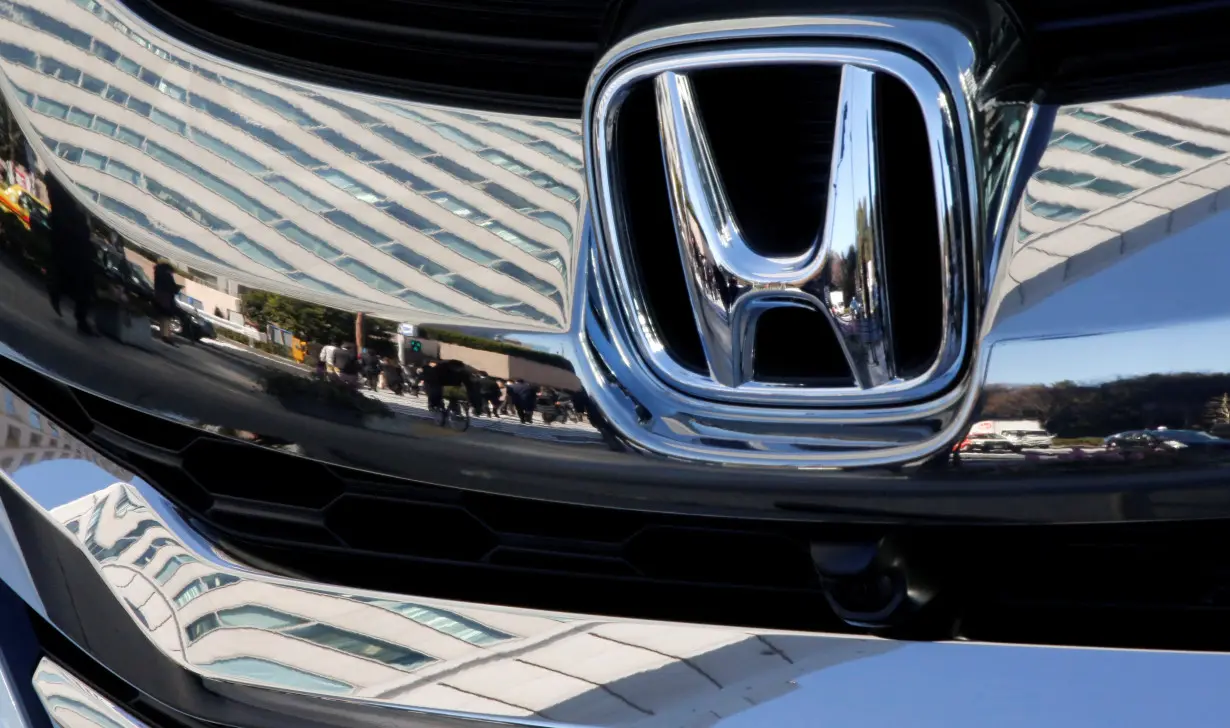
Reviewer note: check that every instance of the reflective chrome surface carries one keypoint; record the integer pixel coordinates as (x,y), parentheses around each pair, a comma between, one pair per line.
(126,577)
(1084,210)
(729,282)
(684,424)
(70,702)
(151,598)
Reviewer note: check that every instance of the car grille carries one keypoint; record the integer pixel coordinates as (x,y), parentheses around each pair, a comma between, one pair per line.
(533,55)
(1153,585)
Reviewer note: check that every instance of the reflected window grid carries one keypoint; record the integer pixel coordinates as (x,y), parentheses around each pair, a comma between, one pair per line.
(181,128)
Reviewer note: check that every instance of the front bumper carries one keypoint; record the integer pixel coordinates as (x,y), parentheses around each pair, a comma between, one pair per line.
(131,609)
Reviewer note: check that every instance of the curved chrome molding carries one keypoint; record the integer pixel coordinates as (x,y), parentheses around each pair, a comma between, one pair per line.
(153,599)
(681,419)
(722,268)
(68,701)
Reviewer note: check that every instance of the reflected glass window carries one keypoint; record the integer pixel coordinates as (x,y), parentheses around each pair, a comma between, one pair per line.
(128,136)
(149,77)
(116,95)
(316,284)
(1105,186)
(1084,180)
(274,673)
(59,29)
(403,141)
(1119,125)
(95,161)
(449,623)
(127,65)
(1151,166)
(1075,142)
(258,253)
(556,153)
(284,108)
(360,645)
(105,127)
(500,159)
(411,218)
(105,52)
(553,221)
(149,553)
(450,203)
(163,119)
(138,106)
(67,151)
(359,117)
(457,136)
(454,169)
(554,186)
(197,587)
(1086,115)
(508,197)
(307,241)
(60,70)
(212,182)
(276,141)
(19,55)
(510,133)
(349,185)
(80,118)
(346,145)
(10,404)
(35,421)
(92,84)
(507,234)
(512,270)
(298,194)
(559,129)
(1198,150)
(51,108)
(415,260)
(411,180)
(464,247)
(423,303)
(172,90)
(227,152)
(186,206)
(529,312)
(477,292)
(201,627)
(403,111)
(1115,154)
(369,275)
(353,226)
(1053,211)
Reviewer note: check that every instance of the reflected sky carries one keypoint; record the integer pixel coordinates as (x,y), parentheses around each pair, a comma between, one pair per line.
(962,686)
(1160,286)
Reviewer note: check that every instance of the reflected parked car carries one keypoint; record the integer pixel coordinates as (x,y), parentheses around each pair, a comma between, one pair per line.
(988,442)
(1172,440)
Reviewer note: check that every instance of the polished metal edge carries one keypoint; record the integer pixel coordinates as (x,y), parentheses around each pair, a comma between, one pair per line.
(68,701)
(171,591)
(935,107)
(664,420)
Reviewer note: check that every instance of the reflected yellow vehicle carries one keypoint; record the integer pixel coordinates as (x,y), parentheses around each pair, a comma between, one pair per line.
(17,200)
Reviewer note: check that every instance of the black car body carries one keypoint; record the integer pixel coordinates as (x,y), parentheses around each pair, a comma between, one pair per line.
(786,253)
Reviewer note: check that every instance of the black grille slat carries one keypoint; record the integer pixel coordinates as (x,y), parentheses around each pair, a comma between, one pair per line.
(533,55)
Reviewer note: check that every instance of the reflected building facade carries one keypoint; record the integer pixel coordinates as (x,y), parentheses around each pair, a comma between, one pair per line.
(1114,179)
(331,196)
(471,659)
(30,438)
